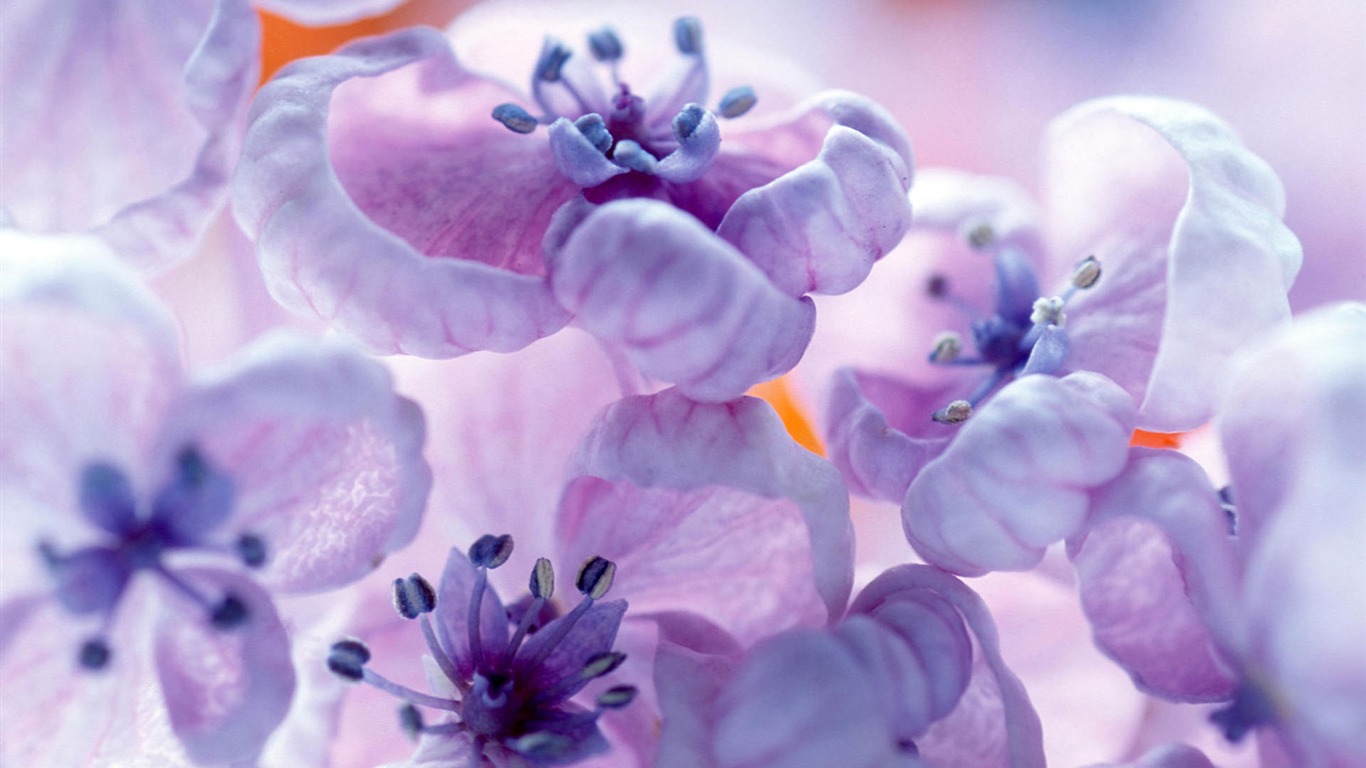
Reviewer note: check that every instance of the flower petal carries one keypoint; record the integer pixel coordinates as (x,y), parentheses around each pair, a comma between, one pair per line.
(1013,481)
(1186,223)
(592,634)
(452,616)
(576,157)
(396,208)
(686,305)
(326,459)
(107,108)
(667,441)
(821,226)
(226,690)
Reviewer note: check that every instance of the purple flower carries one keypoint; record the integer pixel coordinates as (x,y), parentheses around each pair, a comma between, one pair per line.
(124,120)
(1155,270)
(398,195)
(506,676)
(1253,595)
(148,518)
(911,676)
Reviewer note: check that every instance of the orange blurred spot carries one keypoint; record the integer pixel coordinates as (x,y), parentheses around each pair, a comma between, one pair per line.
(779,395)
(1142,439)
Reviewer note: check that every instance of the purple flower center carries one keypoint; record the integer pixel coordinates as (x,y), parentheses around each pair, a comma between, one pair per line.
(511,696)
(1023,334)
(137,537)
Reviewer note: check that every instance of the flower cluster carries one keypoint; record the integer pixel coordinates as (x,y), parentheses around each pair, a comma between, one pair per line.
(1082,489)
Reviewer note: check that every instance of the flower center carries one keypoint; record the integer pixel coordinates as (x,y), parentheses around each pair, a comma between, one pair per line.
(513,695)
(92,580)
(1024,333)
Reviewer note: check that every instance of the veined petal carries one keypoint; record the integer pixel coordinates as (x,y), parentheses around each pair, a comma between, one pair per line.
(668,441)
(1014,480)
(396,208)
(326,459)
(98,396)
(226,690)
(687,307)
(740,560)
(1187,225)
(821,226)
(106,107)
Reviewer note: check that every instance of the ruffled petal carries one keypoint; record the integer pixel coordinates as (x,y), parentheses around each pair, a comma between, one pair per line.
(320,13)
(667,441)
(107,108)
(326,459)
(226,690)
(1186,223)
(820,227)
(685,305)
(97,396)
(738,559)
(1014,480)
(396,208)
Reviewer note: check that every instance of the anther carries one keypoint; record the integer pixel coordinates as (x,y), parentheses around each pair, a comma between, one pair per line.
(94,654)
(737,101)
(252,550)
(630,154)
(229,613)
(542,579)
(605,44)
(595,130)
(617,696)
(553,57)
(515,118)
(947,347)
(490,551)
(413,596)
(981,236)
(1086,273)
(686,121)
(410,719)
(937,286)
(347,659)
(688,35)
(1048,311)
(601,664)
(956,412)
(192,466)
(595,577)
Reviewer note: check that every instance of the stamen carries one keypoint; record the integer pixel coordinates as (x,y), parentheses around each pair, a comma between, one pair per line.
(443,659)
(688,35)
(410,719)
(629,154)
(601,664)
(542,583)
(490,551)
(737,101)
(94,654)
(413,597)
(595,130)
(1086,273)
(252,550)
(937,286)
(1249,709)
(230,613)
(605,45)
(515,118)
(980,236)
(947,347)
(595,577)
(685,122)
(956,412)
(542,586)
(553,56)
(347,659)
(541,746)
(1048,311)
(617,696)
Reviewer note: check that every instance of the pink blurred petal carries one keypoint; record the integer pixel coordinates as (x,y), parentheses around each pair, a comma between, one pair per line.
(687,306)
(122,120)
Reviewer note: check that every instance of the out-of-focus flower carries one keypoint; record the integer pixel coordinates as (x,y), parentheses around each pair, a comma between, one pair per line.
(133,498)
(912,675)
(1168,756)
(1166,236)
(384,198)
(125,121)
(1252,595)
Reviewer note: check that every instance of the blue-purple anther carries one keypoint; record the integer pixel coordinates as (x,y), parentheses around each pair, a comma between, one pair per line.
(183,515)
(1024,334)
(511,692)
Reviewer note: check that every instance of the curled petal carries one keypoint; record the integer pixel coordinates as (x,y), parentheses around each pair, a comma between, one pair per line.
(577,158)
(443,262)
(1013,481)
(105,112)
(694,155)
(226,690)
(326,459)
(821,226)
(668,441)
(1187,225)
(687,307)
